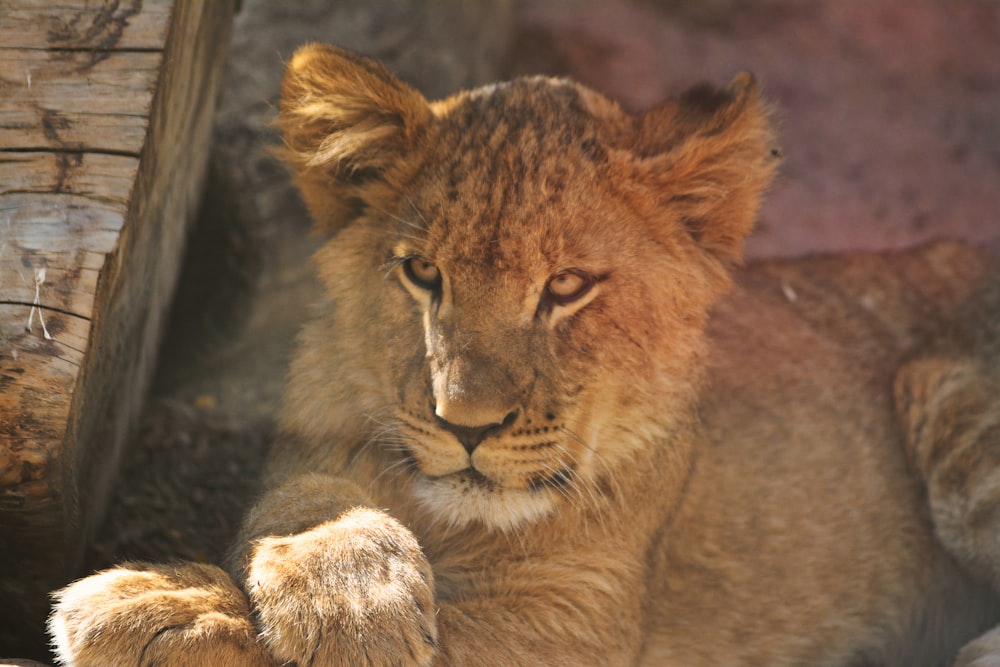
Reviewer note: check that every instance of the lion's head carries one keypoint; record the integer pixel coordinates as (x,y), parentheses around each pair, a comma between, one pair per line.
(519,275)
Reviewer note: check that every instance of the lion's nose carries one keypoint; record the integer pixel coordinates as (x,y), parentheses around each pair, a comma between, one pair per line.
(471,436)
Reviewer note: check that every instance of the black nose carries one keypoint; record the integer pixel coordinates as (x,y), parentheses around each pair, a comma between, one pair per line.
(471,436)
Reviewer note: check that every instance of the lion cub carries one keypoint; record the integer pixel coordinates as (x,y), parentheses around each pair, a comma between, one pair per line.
(542,421)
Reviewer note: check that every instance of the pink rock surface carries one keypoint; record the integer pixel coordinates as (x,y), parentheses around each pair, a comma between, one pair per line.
(889,110)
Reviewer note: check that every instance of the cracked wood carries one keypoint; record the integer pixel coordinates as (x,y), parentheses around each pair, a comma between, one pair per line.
(105,123)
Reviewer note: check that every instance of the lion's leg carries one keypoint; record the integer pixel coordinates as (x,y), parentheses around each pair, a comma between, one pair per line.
(981,652)
(335,581)
(950,413)
(144,614)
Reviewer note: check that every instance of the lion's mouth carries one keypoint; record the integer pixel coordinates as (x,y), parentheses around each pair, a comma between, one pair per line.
(471,477)
(476,478)
(469,496)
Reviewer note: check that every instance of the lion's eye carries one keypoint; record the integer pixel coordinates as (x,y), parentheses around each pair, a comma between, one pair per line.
(569,286)
(422,273)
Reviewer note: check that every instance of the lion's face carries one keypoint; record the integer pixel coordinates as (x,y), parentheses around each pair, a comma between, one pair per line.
(518,284)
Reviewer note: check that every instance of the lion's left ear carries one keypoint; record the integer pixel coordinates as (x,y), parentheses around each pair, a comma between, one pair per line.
(709,157)
(346,120)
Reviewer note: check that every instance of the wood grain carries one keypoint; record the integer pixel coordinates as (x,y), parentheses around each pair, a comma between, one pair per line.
(96,27)
(105,125)
(67,100)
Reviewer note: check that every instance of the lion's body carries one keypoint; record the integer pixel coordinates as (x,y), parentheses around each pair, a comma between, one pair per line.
(804,523)
(534,425)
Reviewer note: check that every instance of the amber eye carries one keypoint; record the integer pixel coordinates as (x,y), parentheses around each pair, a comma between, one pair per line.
(422,273)
(569,286)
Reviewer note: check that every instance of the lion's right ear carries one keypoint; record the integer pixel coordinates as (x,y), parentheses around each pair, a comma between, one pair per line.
(345,121)
(710,155)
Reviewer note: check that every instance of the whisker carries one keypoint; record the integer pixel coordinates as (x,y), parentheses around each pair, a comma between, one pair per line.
(518,533)
(604,463)
(417,211)
(398,466)
(585,490)
(386,436)
(398,219)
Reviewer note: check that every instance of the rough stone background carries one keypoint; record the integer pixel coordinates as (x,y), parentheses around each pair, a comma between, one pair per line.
(890,125)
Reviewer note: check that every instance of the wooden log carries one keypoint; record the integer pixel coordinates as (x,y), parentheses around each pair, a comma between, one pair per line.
(105,124)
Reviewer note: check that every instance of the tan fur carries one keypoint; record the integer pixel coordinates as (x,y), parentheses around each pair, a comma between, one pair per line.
(536,426)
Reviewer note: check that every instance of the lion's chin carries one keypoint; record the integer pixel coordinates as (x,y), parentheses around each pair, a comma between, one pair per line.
(460,501)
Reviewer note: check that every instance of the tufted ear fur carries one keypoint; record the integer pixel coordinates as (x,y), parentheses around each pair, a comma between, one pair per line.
(346,120)
(709,156)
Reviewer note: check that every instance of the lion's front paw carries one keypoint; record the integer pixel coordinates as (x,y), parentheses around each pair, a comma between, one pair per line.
(355,591)
(143,614)
(981,652)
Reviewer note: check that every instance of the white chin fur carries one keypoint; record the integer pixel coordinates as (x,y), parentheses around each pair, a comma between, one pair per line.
(460,504)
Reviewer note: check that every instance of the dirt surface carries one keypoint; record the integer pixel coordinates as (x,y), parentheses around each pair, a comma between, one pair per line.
(890,125)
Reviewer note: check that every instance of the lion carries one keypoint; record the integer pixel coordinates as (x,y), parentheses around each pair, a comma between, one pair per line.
(546,418)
